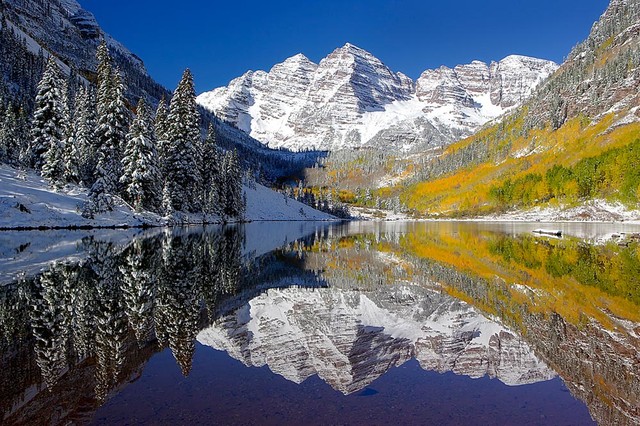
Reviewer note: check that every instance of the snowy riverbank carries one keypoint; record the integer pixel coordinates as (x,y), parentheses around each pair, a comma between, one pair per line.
(27,202)
(590,211)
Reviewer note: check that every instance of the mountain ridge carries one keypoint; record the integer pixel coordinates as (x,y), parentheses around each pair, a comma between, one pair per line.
(351,99)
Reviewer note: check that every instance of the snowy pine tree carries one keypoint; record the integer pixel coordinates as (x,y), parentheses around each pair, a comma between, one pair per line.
(49,125)
(110,134)
(232,174)
(83,129)
(161,129)
(182,171)
(12,138)
(142,180)
(210,166)
(72,150)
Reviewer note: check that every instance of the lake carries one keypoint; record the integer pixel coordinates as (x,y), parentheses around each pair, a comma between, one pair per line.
(320,323)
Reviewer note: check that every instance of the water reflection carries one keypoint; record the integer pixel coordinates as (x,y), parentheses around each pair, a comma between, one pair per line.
(349,338)
(346,303)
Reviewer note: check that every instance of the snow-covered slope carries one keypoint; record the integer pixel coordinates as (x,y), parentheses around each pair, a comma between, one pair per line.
(265,204)
(26,201)
(349,338)
(351,99)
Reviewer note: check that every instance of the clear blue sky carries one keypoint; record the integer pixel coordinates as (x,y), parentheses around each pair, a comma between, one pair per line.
(220,40)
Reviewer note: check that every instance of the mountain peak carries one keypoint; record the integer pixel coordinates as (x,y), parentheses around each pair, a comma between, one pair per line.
(298,59)
(351,99)
(354,50)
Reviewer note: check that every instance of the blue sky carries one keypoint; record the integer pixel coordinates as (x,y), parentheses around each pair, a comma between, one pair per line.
(220,40)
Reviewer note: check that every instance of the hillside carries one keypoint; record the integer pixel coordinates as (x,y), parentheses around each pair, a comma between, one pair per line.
(576,139)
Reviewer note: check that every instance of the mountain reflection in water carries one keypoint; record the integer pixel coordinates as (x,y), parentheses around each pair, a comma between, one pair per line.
(345,303)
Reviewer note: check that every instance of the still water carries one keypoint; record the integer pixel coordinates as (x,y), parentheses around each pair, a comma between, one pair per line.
(304,323)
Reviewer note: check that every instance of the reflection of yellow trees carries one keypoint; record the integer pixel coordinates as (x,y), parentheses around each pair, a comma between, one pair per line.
(569,277)
(573,302)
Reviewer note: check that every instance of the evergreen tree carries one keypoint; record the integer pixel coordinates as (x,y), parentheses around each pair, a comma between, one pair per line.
(104,73)
(53,167)
(161,128)
(182,171)
(210,171)
(234,201)
(11,137)
(49,124)
(73,151)
(110,135)
(141,178)
(84,161)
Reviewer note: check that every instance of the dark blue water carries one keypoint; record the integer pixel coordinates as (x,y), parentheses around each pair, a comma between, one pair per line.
(221,390)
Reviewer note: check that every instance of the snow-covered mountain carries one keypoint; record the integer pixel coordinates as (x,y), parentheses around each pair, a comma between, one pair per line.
(351,99)
(350,338)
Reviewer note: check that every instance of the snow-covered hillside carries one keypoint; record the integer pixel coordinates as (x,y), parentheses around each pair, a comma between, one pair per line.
(27,201)
(351,99)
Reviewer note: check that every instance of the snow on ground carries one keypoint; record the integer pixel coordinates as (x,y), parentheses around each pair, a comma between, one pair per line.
(365,213)
(265,204)
(27,201)
(593,210)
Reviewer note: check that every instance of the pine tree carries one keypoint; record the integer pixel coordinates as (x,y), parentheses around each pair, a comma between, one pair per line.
(49,124)
(232,187)
(182,172)
(11,139)
(110,135)
(53,167)
(141,178)
(210,171)
(73,152)
(84,126)
(161,130)
(104,73)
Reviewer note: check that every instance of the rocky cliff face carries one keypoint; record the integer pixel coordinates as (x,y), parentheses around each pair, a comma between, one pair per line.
(350,338)
(351,99)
